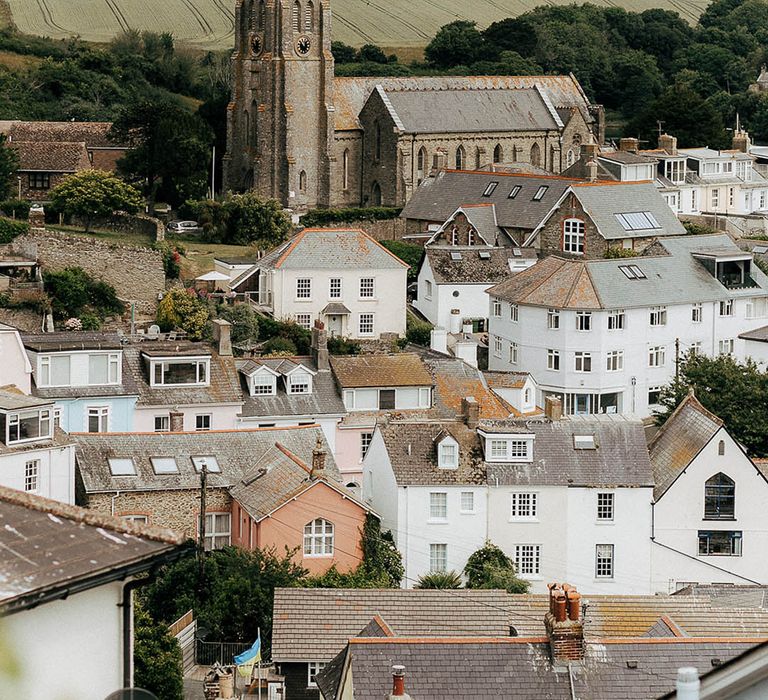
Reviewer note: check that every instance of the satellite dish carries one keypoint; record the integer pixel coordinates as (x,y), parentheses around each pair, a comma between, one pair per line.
(131,694)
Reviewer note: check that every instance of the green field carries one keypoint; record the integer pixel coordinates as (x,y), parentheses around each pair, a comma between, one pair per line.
(208,24)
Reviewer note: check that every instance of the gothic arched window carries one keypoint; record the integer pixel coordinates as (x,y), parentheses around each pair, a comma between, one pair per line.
(377,141)
(421,161)
(460,158)
(247,120)
(262,15)
(303,181)
(498,154)
(536,155)
(375,195)
(569,158)
(721,448)
(296,16)
(345,169)
(719,497)
(318,538)
(309,17)
(514,154)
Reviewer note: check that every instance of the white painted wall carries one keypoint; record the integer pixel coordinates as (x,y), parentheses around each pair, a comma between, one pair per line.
(679,513)
(224,416)
(328,425)
(534,338)
(67,649)
(15,367)
(56,471)
(79,365)
(388,304)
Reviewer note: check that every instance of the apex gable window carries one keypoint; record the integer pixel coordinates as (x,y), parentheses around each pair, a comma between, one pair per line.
(427,289)
(553,319)
(658,316)
(448,454)
(299,383)
(583,320)
(573,236)
(720,498)
(334,288)
(304,288)
(318,538)
(604,561)
(263,384)
(367,288)
(27,426)
(187,371)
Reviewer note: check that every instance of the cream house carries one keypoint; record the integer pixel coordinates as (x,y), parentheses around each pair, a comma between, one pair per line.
(345,279)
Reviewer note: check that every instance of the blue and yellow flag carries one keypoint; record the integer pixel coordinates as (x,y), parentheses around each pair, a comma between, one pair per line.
(248,658)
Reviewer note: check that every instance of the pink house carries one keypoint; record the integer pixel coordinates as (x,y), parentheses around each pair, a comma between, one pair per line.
(283,503)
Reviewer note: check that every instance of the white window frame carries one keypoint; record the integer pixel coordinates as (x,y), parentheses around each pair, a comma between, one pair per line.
(513,353)
(438,506)
(657,356)
(528,559)
(32,475)
(467,502)
(446,460)
(438,557)
(304,321)
(318,540)
(367,288)
(366,438)
(553,360)
(523,505)
(553,319)
(202,371)
(44,418)
(583,321)
(573,236)
(427,289)
(102,415)
(605,565)
(198,421)
(496,308)
(212,531)
(514,312)
(614,361)
(262,380)
(165,420)
(606,501)
(726,308)
(44,377)
(299,383)
(616,320)
(335,288)
(113,368)
(657,316)
(725,346)
(304,289)
(498,345)
(582,362)
(366,321)
(697,313)
(313,668)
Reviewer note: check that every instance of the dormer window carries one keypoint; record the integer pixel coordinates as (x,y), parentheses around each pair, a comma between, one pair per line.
(299,383)
(28,426)
(104,368)
(185,371)
(263,385)
(508,448)
(584,442)
(448,454)
(54,370)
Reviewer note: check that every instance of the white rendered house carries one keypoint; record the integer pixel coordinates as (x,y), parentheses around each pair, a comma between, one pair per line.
(603,335)
(709,504)
(345,279)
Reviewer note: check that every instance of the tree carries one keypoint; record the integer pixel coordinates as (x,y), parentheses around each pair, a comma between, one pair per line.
(244,320)
(9,164)
(181,308)
(370,53)
(169,149)
(343,53)
(455,44)
(74,292)
(734,391)
(156,657)
(91,194)
(489,567)
(439,579)
(382,562)
(250,219)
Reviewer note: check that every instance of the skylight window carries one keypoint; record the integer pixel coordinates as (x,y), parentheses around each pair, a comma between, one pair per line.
(637,221)
(456,257)
(211,463)
(638,272)
(490,189)
(584,442)
(540,193)
(164,465)
(484,255)
(122,466)
(516,252)
(632,272)
(514,192)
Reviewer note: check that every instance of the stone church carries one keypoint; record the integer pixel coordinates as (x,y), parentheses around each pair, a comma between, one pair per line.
(309,139)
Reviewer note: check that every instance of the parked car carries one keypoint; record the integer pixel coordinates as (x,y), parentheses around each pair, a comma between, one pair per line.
(184,227)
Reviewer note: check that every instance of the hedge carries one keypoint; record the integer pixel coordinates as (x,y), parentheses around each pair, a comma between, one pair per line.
(322,217)
(9,229)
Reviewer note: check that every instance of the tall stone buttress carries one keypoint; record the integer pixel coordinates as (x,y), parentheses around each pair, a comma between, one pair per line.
(280,119)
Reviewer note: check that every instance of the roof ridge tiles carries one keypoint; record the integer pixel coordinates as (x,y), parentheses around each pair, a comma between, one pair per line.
(293,457)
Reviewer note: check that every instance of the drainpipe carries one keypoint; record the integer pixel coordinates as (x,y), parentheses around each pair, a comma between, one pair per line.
(127,605)
(117,495)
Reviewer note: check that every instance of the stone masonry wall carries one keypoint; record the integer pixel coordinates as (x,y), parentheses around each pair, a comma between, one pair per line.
(177,510)
(136,273)
(128,223)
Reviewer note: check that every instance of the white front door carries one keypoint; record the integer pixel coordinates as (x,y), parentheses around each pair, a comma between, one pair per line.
(335,325)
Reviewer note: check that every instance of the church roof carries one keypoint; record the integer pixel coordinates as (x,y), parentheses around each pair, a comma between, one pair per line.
(469,110)
(350,94)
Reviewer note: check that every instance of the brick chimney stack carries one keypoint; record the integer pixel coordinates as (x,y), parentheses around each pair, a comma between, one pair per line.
(398,684)
(563,624)
(320,346)
(668,143)
(591,166)
(318,460)
(470,411)
(176,421)
(629,145)
(741,141)
(222,335)
(553,408)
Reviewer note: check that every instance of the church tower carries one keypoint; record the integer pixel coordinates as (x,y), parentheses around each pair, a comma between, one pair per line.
(280,119)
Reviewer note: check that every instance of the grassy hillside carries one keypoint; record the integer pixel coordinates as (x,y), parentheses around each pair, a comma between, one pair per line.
(208,24)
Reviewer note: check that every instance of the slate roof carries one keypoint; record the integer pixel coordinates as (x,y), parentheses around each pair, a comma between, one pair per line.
(676,278)
(128,387)
(324,399)
(490,268)
(338,614)
(603,201)
(397,370)
(49,548)
(350,94)
(468,110)
(685,433)
(237,453)
(620,458)
(224,386)
(67,340)
(51,156)
(456,669)
(437,198)
(728,596)
(626,157)
(12,399)
(94,134)
(758,334)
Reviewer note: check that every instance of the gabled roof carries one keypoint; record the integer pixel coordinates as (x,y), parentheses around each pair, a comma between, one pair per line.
(314,624)
(468,110)
(50,550)
(350,94)
(477,265)
(397,370)
(51,156)
(686,432)
(93,134)
(438,197)
(481,216)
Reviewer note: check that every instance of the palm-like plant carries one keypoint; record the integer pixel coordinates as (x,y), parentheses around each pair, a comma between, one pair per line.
(439,579)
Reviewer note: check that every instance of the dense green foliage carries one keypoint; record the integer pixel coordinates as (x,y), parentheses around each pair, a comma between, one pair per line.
(92,194)
(16,208)
(489,567)
(734,391)
(439,579)
(240,219)
(74,293)
(299,337)
(9,229)
(244,320)
(156,657)
(9,163)
(418,332)
(324,217)
(410,253)
(181,309)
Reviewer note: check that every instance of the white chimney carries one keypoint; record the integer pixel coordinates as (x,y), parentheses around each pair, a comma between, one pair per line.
(466,350)
(455,321)
(438,340)
(466,328)
(688,683)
